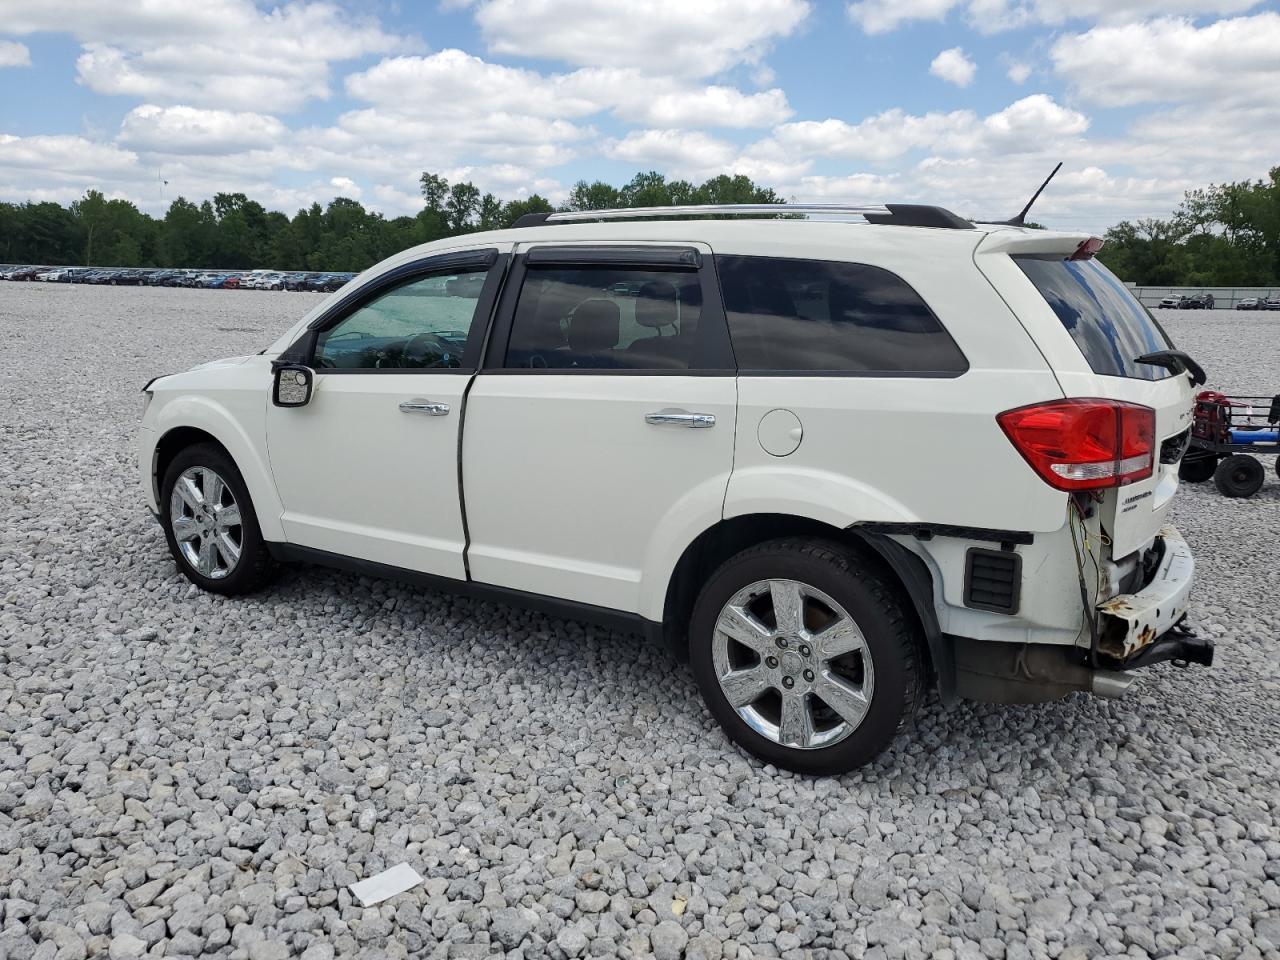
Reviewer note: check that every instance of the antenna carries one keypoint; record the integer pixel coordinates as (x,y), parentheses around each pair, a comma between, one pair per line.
(1020,219)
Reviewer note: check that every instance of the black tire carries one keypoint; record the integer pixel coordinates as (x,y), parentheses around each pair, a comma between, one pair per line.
(1278,466)
(1197,468)
(254,567)
(881,615)
(1239,475)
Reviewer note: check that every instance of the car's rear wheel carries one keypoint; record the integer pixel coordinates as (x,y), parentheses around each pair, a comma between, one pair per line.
(805,655)
(1239,475)
(210,524)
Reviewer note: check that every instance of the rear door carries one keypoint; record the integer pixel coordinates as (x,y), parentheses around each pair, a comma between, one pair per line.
(1092,330)
(600,432)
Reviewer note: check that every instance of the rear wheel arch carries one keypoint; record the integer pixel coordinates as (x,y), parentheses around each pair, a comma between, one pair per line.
(905,572)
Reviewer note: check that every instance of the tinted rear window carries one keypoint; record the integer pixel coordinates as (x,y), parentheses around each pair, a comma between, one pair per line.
(816,315)
(1106,321)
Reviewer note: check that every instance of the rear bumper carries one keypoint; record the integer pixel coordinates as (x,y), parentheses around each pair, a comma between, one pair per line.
(1135,630)
(1131,626)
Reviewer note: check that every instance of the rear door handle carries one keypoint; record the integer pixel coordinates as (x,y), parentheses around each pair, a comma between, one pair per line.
(680,418)
(429,407)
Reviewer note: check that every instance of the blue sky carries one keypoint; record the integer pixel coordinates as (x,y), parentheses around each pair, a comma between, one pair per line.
(966,103)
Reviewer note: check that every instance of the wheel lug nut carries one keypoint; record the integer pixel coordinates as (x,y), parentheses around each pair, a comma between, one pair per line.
(804,650)
(788,682)
(808,675)
(782,642)
(772,662)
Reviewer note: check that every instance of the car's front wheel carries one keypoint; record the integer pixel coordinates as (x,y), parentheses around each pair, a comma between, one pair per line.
(210,524)
(805,655)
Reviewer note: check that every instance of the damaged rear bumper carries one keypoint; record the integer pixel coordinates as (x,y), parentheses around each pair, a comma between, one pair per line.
(1134,630)
(1138,629)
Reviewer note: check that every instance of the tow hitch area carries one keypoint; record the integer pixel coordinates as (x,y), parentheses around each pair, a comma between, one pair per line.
(1146,627)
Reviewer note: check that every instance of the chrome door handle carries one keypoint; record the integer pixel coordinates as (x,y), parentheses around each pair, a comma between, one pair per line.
(429,407)
(680,418)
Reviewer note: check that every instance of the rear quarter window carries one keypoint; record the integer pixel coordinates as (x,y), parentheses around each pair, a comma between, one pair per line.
(818,316)
(1106,321)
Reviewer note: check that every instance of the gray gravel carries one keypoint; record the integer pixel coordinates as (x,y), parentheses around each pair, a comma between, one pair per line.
(182,774)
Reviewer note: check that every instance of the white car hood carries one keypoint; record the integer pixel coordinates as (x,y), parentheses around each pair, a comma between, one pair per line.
(224,362)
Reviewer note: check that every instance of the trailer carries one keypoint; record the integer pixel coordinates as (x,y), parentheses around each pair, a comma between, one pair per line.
(1228,434)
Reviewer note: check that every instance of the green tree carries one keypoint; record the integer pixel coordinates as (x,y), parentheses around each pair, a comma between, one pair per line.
(462,206)
(516,209)
(593,196)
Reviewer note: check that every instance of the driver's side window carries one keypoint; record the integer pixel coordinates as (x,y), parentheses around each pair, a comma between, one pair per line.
(421,324)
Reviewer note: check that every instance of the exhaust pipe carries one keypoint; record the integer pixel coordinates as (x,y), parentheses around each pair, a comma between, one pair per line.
(1110,683)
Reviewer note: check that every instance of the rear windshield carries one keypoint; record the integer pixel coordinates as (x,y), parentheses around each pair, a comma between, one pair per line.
(1106,321)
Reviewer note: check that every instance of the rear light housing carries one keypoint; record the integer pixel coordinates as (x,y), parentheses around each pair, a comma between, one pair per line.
(1087,249)
(1084,444)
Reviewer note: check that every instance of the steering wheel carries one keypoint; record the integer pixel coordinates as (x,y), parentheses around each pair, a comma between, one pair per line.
(422,346)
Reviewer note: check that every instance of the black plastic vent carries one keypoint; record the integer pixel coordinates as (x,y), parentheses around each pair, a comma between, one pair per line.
(992,580)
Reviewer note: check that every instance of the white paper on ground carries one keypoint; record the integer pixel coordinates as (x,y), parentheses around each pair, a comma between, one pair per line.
(384,885)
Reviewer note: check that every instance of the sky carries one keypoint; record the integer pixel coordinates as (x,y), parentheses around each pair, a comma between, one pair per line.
(963,103)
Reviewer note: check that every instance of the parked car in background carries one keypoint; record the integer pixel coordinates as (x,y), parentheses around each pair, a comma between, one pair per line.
(1173,301)
(26,273)
(298,281)
(1271,303)
(1198,301)
(1249,303)
(697,458)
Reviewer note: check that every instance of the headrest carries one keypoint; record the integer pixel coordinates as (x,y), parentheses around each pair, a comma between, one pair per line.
(656,304)
(595,326)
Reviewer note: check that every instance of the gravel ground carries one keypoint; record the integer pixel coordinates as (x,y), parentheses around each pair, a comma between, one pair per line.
(182,774)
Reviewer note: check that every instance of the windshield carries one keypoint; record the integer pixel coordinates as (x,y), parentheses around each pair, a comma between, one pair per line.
(1108,324)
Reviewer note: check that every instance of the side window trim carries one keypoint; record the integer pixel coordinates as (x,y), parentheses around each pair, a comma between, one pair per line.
(713,347)
(303,349)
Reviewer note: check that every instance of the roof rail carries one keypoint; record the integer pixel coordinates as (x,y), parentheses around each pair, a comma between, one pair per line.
(896,214)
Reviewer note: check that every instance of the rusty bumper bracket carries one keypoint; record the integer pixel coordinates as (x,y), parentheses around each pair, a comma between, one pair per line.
(1180,643)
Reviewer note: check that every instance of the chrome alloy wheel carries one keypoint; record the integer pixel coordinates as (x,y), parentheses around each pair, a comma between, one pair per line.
(206,522)
(793,664)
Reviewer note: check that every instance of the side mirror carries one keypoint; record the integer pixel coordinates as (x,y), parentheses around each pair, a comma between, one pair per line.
(292,387)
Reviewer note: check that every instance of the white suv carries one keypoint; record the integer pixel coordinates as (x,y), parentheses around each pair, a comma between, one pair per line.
(836,464)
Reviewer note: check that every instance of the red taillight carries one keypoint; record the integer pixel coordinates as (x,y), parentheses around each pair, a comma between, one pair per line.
(1084,444)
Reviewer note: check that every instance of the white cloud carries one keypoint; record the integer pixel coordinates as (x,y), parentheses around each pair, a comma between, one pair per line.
(13,54)
(457,83)
(1172,60)
(676,37)
(666,102)
(684,152)
(465,87)
(1036,122)
(1018,71)
(184,129)
(991,16)
(65,156)
(346,187)
(953,67)
(219,53)
(880,16)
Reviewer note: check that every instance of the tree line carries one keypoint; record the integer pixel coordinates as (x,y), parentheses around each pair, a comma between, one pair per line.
(1226,235)
(232,231)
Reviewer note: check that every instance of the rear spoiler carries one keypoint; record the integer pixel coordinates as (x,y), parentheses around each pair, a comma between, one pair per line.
(1044,242)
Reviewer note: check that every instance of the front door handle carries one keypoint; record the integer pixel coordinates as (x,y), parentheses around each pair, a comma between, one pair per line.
(680,418)
(428,407)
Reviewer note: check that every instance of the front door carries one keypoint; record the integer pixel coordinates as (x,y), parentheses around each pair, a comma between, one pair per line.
(600,431)
(369,468)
